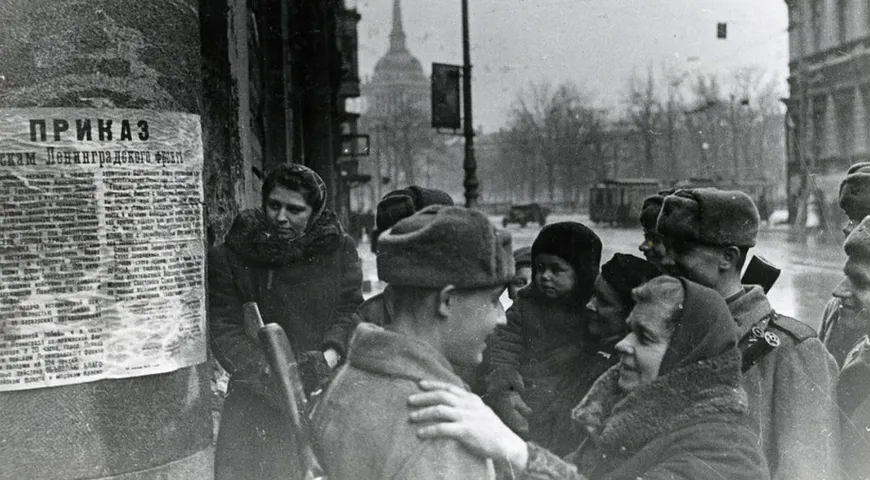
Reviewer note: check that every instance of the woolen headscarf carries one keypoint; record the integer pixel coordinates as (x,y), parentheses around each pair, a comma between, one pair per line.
(306,178)
(625,272)
(703,329)
(855,191)
(578,245)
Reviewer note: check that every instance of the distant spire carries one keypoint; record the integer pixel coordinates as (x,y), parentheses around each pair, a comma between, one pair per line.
(397,36)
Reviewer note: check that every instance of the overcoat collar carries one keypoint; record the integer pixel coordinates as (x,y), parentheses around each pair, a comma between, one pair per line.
(394,354)
(695,393)
(253,239)
(748,307)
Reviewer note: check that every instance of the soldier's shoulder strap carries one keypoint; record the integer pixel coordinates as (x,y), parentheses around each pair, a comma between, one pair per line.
(797,330)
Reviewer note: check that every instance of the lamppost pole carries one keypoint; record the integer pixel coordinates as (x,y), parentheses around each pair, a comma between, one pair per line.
(470,165)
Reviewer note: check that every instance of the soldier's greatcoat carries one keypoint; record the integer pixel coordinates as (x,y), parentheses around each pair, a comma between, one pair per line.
(792,392)
(361,426)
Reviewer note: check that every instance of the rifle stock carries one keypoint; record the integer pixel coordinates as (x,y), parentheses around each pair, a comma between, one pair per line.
(288,386)
(760,271)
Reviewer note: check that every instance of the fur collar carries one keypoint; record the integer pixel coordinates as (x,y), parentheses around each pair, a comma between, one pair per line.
(251,238)
(748,307)
(697,392)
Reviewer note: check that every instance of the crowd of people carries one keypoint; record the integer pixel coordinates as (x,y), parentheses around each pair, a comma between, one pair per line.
(661,367)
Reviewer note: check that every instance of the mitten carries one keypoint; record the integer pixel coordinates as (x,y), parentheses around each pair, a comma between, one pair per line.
(314,371)
(502,379)
(512,410)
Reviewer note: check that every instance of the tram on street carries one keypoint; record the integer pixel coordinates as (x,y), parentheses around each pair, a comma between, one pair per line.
(617,201)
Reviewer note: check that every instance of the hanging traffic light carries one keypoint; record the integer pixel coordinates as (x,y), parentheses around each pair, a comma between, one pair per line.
(445,96)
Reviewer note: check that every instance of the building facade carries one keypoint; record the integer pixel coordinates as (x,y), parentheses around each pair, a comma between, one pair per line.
(828,118)
(276,76)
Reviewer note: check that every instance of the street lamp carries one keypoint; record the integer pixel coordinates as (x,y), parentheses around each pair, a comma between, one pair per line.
(470,165)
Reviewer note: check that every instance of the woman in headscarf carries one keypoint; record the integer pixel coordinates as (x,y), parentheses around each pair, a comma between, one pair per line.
(292,257)
(671,408)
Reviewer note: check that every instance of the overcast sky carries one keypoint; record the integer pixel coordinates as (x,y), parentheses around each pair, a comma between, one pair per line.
(594,43)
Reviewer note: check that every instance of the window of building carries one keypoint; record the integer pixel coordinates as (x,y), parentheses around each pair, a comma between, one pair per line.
(844,108)
(842,20)
(819,111)
(817,22)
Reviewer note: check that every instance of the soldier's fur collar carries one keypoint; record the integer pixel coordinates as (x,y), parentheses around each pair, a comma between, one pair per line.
(748,307)
(252,238)
(697,392)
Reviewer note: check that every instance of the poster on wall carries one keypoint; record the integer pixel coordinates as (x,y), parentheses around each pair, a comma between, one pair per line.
(102,268)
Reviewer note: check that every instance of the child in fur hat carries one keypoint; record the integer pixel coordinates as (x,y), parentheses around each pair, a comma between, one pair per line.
(535,360)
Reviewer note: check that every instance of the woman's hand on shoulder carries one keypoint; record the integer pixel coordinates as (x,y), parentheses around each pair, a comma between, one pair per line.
(446,411)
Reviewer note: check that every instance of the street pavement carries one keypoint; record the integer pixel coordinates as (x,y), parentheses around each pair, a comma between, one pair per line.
(811,269)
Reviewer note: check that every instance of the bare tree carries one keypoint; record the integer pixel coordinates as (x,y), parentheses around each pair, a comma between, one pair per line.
(755,101)
(672,123)
(645,113)
(552,126)
(705,121)
(409,145)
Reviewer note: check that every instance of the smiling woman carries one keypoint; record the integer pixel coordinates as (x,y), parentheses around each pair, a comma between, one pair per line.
(649,332)
(672,408)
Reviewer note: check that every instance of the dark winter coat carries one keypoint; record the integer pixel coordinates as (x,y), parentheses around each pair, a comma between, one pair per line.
(840,333)
(361,426)
(311,286)
(692,423)
(792,393)
(545,353)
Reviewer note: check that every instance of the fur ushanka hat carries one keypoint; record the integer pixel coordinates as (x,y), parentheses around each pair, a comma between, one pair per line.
(652,206)
(442,245)
(402,203)
(710,216)
(855,191)
(578,245)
